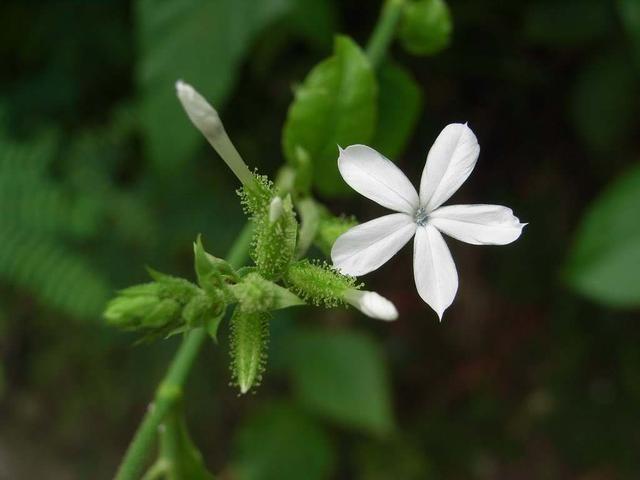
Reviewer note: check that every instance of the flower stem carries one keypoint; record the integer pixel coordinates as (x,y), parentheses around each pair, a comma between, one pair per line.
(170,388)
(384,31)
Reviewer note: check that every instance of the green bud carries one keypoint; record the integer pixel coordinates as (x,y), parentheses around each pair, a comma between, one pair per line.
(127,310)
(164,313)
(319,284)
(275,238)
(256,294)
(158,306)
(201,309)
(175,288)
(329,229)
(425,27)
(249,342)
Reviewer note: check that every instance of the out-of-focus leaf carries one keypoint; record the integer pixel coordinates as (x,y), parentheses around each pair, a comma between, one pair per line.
(630,15)
(178,451)
(279,442)
(605,101)
(399,105)
(336,105)
(201,41)
(567,23)
(426,26)
(393,458)
(605,261)
(342,376)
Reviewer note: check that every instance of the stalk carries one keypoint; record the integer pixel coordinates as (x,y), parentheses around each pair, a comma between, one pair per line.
(384,31)
(170,389)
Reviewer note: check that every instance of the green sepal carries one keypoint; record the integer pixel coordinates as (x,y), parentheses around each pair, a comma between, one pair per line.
(244,271)
(318,283)
(212,272)
(275,239)
(248,347)
(425,27)
(212,325)
(208,266)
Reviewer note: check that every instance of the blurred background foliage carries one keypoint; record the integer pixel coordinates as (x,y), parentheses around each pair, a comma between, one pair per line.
(535,372)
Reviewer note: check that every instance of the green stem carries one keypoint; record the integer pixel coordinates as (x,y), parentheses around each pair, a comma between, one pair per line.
(384,31)
(170,389)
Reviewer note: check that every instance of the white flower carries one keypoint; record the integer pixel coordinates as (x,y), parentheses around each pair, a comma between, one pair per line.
(371,304)
(450,161)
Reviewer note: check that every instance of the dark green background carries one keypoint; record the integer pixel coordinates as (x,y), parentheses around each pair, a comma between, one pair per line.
(100,174)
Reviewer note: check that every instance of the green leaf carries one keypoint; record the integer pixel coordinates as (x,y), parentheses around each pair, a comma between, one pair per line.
(201,41)
(279,442)
(604,263)
(336,105)
(342,376)
(604,102)
(399,106)
(425,27)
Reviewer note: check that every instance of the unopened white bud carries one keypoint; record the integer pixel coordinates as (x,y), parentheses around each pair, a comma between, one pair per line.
(206,119)
(371,304)
(200,112)
(275,209)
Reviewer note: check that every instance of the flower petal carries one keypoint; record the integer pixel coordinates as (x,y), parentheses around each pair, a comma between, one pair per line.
(478,224)
(371,174)
(372,304)
(366,247)
(449,163)
(433,269)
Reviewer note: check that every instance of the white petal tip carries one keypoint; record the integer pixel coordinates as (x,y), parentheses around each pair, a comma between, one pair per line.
(184,90)
(372,304)
(199,111)
(275,209)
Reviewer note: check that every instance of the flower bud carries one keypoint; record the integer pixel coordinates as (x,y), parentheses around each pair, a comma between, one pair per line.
(371,304)
(275,238)
(142,306)
(425,27)
(199,111)
(207,120)
(249,341)
(200,309)
(256,294)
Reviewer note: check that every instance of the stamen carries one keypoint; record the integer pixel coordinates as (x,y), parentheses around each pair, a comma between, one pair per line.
(422,216)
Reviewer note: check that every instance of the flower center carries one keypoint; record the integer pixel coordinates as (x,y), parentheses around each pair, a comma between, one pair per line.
(422,216)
